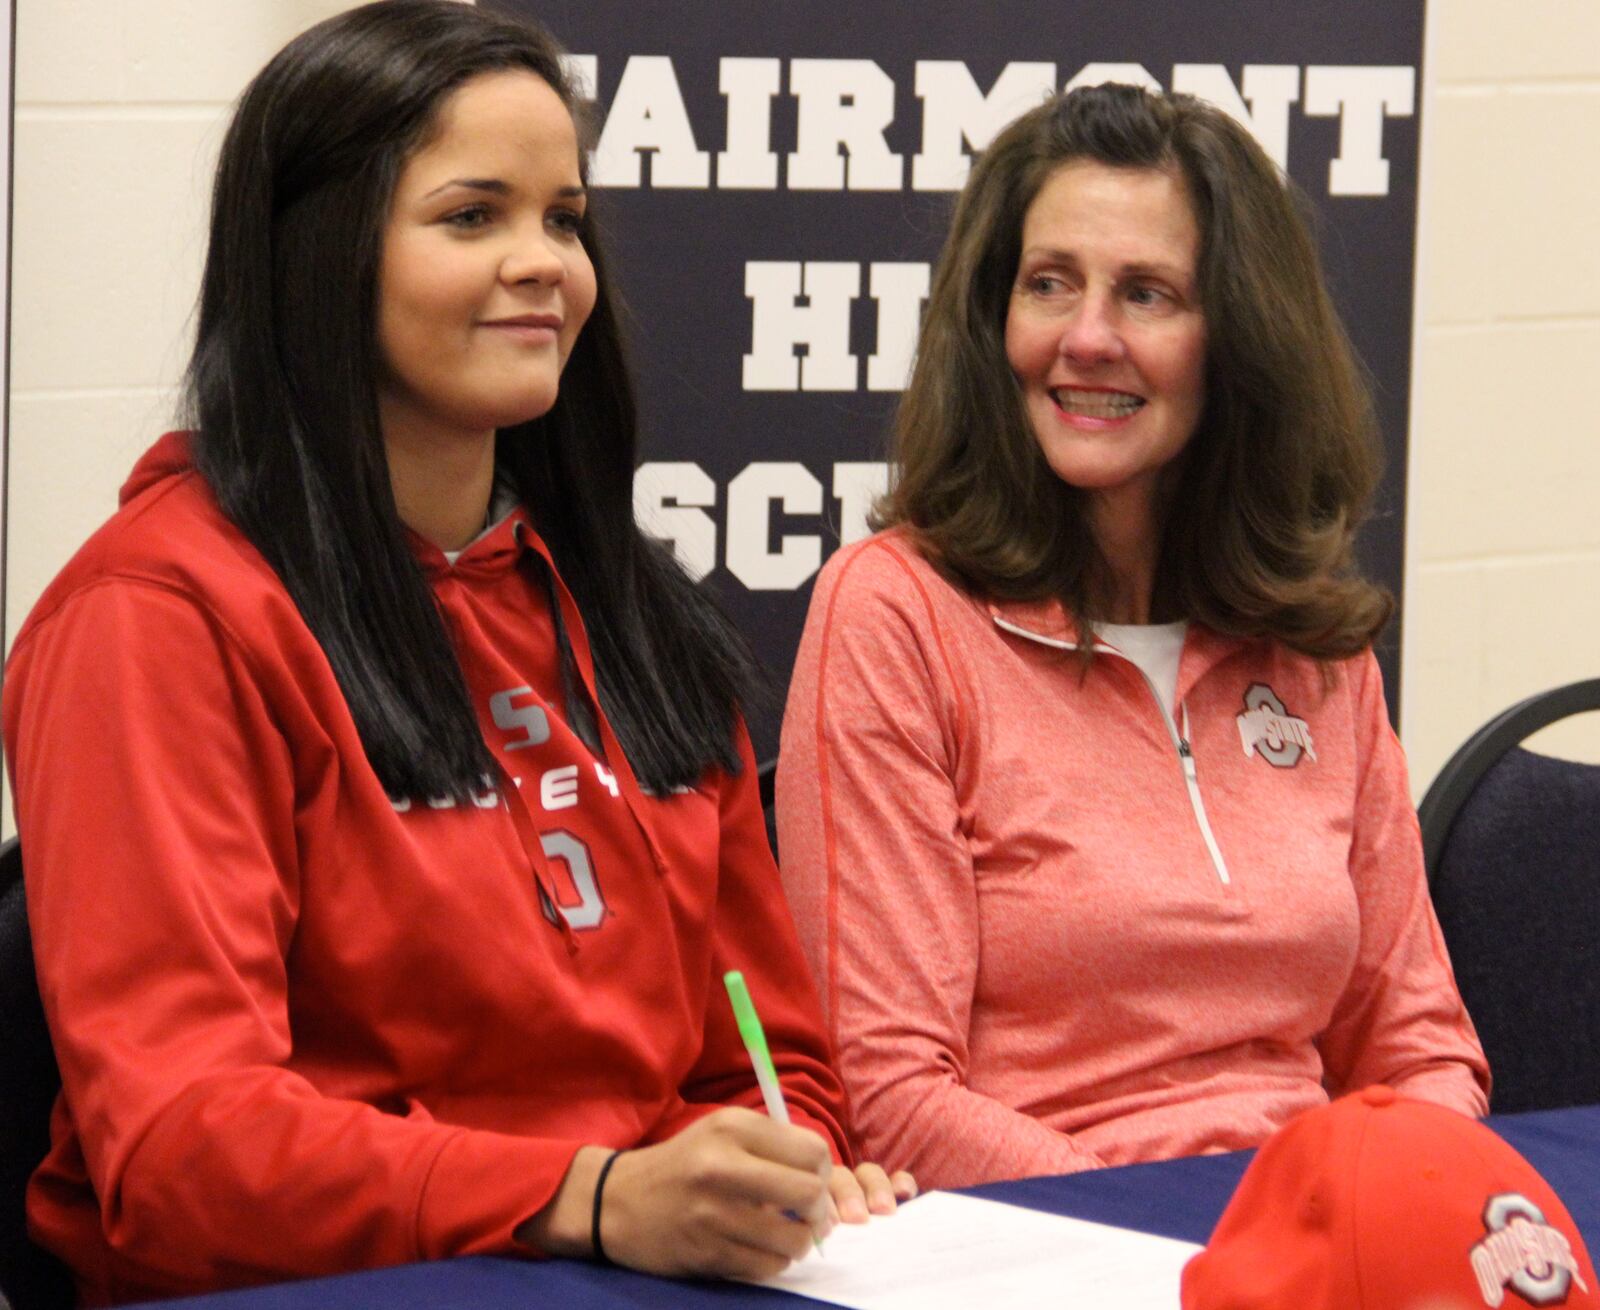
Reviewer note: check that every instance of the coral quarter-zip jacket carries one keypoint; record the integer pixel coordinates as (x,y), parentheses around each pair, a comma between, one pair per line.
(1059,924)
(305,1028)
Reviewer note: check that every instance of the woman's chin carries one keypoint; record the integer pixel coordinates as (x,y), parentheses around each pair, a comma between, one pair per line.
(525,409)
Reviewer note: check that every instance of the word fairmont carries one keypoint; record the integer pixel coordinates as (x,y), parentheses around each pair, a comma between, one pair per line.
(843,110)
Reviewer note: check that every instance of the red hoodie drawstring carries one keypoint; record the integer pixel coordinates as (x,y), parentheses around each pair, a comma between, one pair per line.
(522,821)
(616,758)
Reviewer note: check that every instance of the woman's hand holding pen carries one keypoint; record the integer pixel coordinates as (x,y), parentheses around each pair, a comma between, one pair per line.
(852,1197)
(735,1195)
(718,1198)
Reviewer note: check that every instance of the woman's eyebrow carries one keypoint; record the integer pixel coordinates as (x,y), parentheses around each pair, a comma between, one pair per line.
(1155,268)
(1054,253)
(490,184)
(495,186)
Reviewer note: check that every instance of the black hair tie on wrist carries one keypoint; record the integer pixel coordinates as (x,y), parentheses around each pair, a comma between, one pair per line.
(594,1217)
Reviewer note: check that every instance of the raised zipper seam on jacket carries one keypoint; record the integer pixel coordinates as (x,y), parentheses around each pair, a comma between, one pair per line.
(1180,741)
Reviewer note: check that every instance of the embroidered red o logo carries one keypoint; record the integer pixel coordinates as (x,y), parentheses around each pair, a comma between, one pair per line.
(1273,747)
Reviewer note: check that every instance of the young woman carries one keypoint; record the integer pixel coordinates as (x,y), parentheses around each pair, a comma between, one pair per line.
(388,816)
(1096,833)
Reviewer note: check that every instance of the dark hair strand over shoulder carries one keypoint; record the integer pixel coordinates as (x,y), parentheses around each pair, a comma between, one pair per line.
(282,400)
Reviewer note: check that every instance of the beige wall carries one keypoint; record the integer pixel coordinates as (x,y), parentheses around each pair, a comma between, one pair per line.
(120,106)
(1503,531)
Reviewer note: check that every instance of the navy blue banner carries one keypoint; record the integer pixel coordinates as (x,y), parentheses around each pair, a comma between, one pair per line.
(774,182)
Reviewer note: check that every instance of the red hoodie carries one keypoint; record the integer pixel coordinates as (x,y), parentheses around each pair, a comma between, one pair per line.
(305,1029)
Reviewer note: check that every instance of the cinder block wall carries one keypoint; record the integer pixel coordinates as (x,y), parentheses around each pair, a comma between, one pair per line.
(120,108)
(1503,530)
(121,104)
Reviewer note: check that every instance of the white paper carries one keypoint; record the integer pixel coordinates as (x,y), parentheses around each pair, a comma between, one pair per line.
(945,1250)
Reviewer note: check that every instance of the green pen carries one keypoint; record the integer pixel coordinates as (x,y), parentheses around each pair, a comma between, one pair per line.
(755,1042)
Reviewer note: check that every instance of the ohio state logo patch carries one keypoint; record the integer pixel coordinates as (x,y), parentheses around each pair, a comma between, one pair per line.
(1267,729)
(1523,1252)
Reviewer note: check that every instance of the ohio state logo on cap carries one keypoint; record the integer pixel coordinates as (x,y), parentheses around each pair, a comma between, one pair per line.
(1267,729)
(1523,1252)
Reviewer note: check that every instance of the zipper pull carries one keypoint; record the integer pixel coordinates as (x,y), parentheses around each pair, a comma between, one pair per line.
(1187,757)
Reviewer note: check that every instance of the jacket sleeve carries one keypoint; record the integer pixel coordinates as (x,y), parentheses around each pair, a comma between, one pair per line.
(156,802)
(1400,1020)
(875,855)
(754,933)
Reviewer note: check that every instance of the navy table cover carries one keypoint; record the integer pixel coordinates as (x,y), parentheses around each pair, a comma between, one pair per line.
(1175,1198)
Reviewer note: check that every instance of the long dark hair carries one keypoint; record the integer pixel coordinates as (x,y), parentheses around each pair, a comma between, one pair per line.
(282,397)
(1258,532)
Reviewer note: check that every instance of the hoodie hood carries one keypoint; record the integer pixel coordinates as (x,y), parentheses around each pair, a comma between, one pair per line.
(496,550)
(168,458)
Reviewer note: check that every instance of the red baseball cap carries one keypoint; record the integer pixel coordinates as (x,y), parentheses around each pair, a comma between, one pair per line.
(1380,1202)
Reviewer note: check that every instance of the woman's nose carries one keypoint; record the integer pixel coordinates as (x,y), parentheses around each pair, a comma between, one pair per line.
(534,258)
(1091,333)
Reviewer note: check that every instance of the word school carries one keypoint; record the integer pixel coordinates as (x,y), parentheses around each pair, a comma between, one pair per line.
(677,502)
(843,107)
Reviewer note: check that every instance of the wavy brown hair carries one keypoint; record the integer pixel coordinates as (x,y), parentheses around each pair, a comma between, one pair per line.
(1262,507)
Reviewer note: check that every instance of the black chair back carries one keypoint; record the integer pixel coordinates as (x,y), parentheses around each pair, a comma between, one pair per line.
(1456,781)
(1512,841)
(30,1277)
(767,785)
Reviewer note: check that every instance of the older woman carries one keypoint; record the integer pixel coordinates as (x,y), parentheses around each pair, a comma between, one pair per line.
(1096,832)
